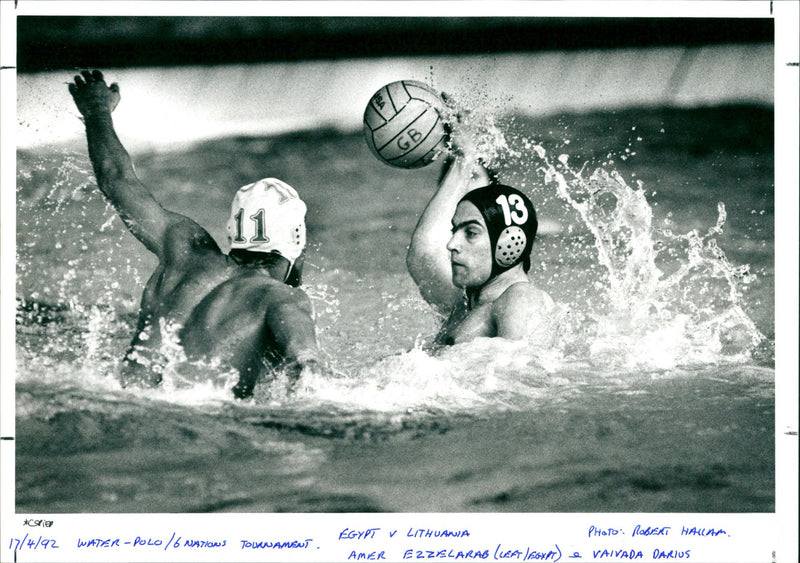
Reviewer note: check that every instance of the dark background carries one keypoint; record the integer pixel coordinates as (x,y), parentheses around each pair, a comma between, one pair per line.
(67,42)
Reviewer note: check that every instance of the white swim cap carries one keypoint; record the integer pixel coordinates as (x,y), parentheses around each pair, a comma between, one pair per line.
(268,216)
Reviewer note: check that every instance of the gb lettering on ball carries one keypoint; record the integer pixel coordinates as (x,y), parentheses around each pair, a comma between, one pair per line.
(403,125)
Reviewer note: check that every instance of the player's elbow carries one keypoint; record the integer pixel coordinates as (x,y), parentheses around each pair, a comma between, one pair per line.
(419,256)
(416,262)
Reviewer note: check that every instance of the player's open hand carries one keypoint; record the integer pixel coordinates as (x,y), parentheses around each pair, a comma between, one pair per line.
(91,94)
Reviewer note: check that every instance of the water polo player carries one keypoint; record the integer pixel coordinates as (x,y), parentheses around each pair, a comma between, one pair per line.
(470,255)
(240,311)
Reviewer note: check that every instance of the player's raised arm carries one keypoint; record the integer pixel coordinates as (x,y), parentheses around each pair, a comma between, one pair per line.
(116,178)
(428,259)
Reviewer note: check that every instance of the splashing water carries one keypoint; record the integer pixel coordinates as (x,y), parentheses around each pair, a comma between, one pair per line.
(652,320)
(603,422)
(666,299)
(645,319)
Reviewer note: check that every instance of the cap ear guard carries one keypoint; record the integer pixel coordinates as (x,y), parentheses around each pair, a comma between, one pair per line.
(510,245)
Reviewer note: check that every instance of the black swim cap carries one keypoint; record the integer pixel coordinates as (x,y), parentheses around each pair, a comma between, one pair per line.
(511,221)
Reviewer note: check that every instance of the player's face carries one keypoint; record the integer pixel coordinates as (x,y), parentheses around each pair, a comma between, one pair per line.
(470,247)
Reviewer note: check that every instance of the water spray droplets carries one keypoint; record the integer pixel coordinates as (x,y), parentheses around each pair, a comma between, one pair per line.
(694,314)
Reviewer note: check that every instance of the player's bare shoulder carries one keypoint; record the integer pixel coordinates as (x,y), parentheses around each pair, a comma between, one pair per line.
(526,296)
(187,244)
(240,305)
(524,311)
(251,289)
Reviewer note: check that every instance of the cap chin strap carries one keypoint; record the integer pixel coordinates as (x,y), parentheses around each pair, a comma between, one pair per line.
(289,269)
(275,253)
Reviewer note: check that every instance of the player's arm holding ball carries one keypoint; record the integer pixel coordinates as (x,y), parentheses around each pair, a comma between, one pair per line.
(428,259)
(404,127)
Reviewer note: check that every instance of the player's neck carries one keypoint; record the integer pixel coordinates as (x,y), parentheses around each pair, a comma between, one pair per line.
(496,286)
(271,264)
